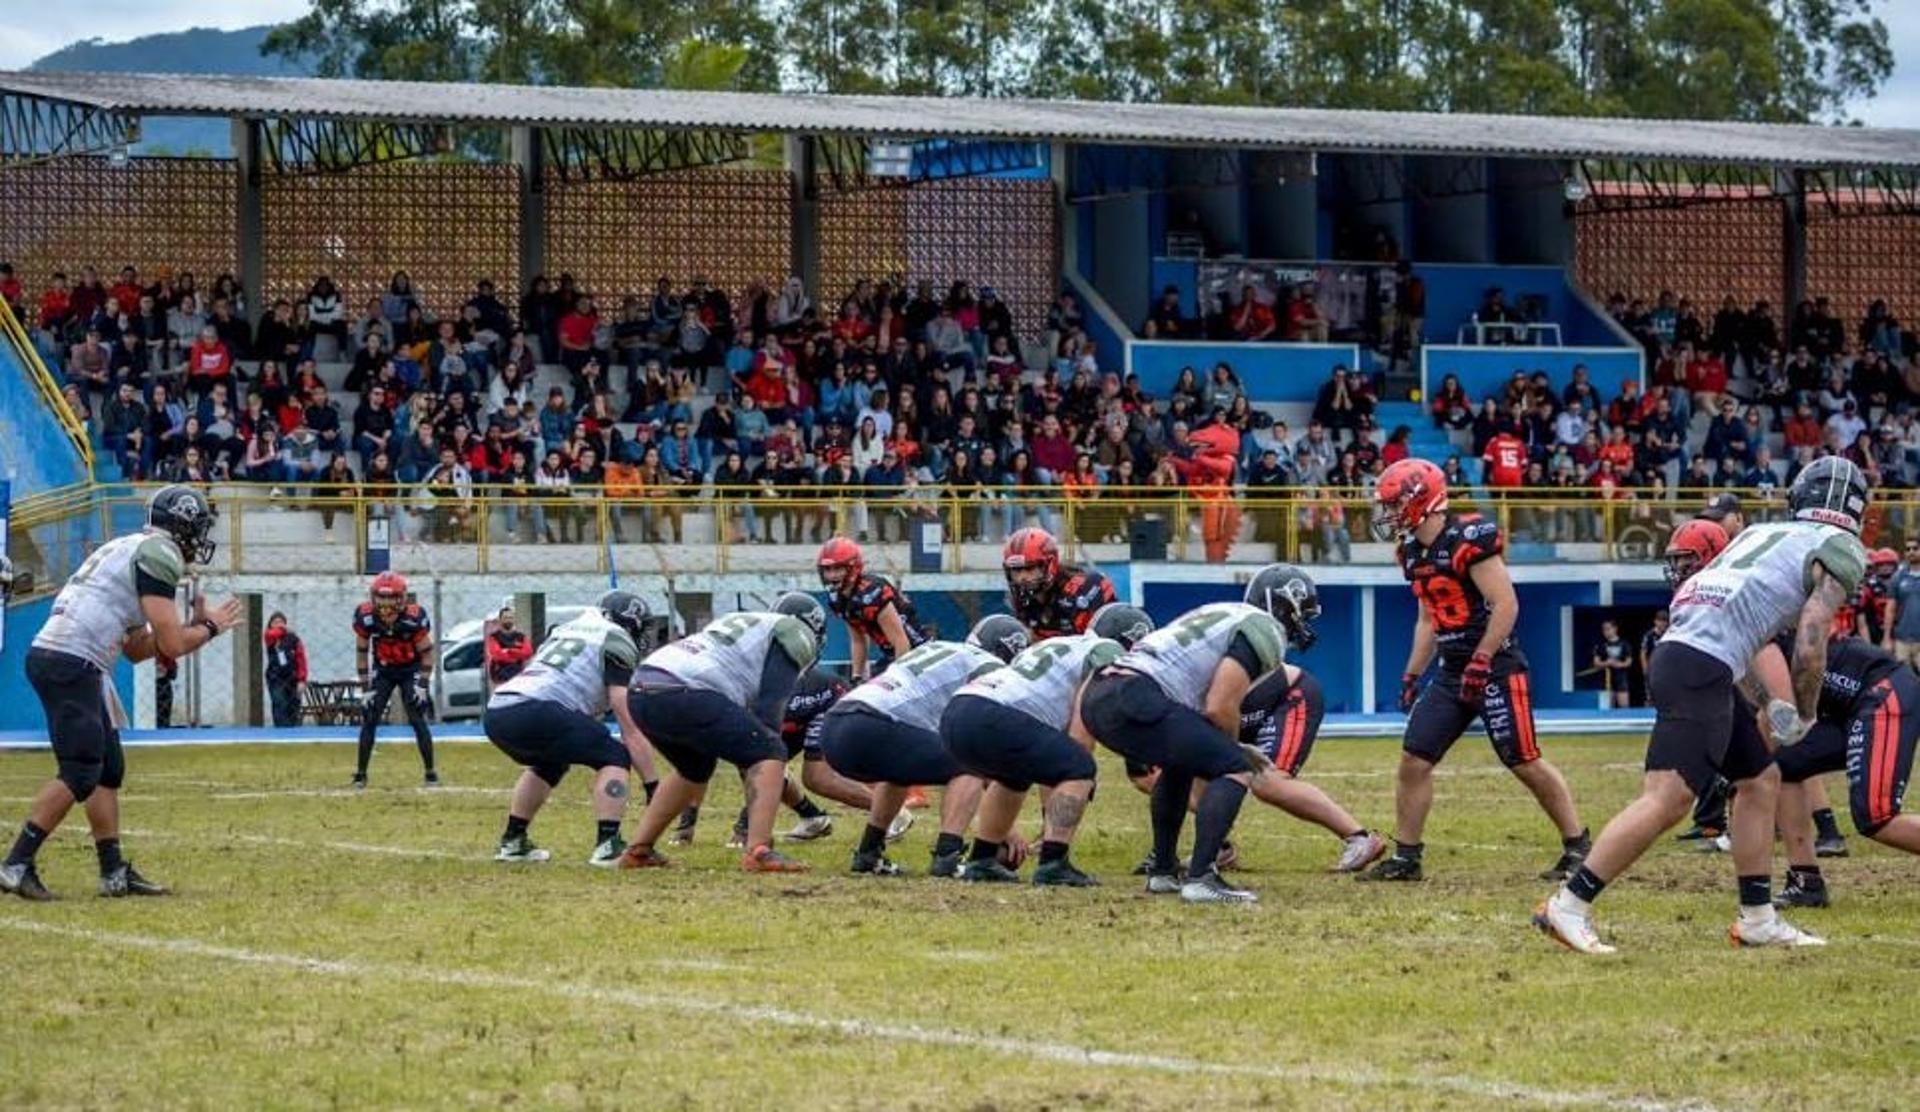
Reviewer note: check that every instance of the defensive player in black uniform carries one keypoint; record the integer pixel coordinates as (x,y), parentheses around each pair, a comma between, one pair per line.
(393,651)
(880,619)
(1467,614)
(1868,721)
(1051,599)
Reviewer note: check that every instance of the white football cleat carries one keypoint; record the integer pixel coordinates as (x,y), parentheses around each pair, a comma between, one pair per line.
(1770,931)
(1360,851)
(607,854)
(1212,889)
(819,826)
(902,822)
(1569,925)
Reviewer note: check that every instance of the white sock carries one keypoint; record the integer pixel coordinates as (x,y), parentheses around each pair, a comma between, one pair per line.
(1755,916)
(1570,902)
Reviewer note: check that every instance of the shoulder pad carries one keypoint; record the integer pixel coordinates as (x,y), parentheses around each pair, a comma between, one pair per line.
(159,557)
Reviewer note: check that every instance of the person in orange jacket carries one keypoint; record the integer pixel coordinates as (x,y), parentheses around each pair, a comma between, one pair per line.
(1209,473)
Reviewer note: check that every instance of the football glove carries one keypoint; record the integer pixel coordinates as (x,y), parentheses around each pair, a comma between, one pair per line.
(1473,681)
(423,691)
(1785,721)
(1409,690)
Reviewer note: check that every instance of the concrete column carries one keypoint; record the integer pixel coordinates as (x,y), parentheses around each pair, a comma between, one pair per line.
(1450,210)
(1282,218)
(1531,224)
(249,225)
(530,163)
(249,678)
(1793,238)
(806,211)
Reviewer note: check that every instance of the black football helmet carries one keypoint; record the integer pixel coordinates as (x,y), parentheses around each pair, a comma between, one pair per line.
(186,515)
(1288,593)
(1001,635)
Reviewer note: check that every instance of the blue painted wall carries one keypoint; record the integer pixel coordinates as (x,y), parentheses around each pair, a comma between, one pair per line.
(36,453)
(19,706)
(1484,370)
(1271,372)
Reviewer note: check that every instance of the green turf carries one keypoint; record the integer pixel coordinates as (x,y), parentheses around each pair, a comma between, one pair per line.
(441,979)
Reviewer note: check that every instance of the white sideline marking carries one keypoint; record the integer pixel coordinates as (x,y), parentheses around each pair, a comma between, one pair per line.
(348,793)
(1063,1053)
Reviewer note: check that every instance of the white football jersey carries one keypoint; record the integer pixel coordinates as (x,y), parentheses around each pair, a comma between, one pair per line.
(570,668)
(1757,586)
(1183,655)
(730,654)
(915,688)
(1040,682)
(100,603)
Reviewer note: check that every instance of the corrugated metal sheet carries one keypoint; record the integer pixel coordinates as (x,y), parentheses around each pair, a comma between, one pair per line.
(916,117)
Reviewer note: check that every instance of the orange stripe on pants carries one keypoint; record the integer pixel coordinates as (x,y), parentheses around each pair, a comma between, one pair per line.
(1293,732)
(1886,758)
(1522,703)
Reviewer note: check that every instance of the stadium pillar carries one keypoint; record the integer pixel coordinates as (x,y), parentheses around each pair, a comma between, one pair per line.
(249,226)
(806,211)
(249,670)
(1792,187)
(529,163)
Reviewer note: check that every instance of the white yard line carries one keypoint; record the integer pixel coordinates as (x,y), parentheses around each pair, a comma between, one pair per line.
(349,793)
(1033,1050)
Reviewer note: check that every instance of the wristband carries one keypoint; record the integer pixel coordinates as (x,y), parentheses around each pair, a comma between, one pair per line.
(212,629)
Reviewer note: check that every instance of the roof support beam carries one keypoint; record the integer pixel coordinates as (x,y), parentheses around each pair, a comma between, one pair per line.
(248,212)
(529,151)
(34,129)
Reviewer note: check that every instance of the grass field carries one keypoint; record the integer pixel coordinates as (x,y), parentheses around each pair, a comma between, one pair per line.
(326,948)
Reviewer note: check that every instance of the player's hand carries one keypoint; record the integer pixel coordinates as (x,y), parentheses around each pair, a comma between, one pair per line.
(1473,681)
(1409,690)
(1783,718)
(423,691)
(225,615)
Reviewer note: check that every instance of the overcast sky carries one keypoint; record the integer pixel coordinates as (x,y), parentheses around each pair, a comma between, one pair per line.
(29,30)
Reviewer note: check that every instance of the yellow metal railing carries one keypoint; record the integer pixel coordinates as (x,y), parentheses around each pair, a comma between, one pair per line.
(505,530)
(15,336)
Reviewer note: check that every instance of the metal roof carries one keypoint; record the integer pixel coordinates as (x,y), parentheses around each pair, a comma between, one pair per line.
(1173,125)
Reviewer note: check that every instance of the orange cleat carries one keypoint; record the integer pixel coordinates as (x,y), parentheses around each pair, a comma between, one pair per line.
(916,799)
(644,857)
(766,859)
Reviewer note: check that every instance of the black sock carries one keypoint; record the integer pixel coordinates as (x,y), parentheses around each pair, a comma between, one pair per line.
(1756,891)
(1582,840)
(947,844)
(1052,851)
(109,851)
(26,845)
(1807,875)
(1168,809)
(873,839)
(1825,823)
(604,829)
(1409,851)
(366,751)
(516,826)
(740,822)
(690,817)
(423,741)
(983,849)
(1585,884)
(1213,821)
(807,809)
(649,787)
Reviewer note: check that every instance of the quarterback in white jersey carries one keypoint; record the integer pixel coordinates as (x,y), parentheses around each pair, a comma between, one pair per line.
(119,603)
(1010,728)
(883,734)
(1791,575)
(721,695)
(549,718)
(1173,703)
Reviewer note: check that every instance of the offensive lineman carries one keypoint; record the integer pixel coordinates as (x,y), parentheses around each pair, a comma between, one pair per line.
(1795,573)
(720,695)
(120,601)
(1173,703)
(550,718)
(1010,727)
(398,637)
(1467,614)
(1049,598)
(880,621)
(885,734)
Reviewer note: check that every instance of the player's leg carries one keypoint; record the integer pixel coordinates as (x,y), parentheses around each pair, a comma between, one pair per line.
(1710,814)
(819,778)
(1749,763)
(959,800)
(1197,748)
(1437,720)
(118,877)
(996,851)
(856,746)
(1693,700)
(763,779)
(1287,741)
(1507,716)
(1167,804)
(1824,749)
(1828,841)
(662,714)
(416,708)
(71,697)
(517,731)
(1879,763)
(379,692)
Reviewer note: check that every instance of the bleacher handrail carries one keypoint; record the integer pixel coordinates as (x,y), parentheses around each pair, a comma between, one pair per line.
(14,334)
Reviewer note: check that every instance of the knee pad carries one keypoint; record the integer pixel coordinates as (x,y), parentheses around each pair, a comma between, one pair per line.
(113,770)
(551,775)
(80,777)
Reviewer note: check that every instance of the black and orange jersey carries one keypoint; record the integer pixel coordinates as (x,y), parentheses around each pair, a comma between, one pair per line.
(813,696)
(1871,600)
(1441,574)
(1853,668)
(862,606)
(1846,619)
(394,647)
(1078,593)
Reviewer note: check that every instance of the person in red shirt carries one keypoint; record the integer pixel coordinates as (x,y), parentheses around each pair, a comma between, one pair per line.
(576,335)
(1803,429)
(508,648)
(1617,451)
(11,291)
(1253,319)
(208,361)
(1506,459)
(1304,322)
(128,289)
(1706,381)
(56,305)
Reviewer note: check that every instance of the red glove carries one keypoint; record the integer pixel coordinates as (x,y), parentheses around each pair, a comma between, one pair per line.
(1409,690)
(1473,681)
